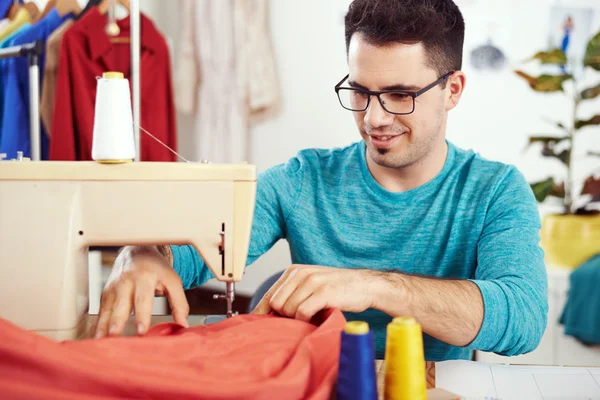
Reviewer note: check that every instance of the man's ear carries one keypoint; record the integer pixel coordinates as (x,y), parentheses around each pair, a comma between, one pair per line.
(456,86)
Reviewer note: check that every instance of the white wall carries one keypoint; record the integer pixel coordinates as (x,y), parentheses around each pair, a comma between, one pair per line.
(495,117)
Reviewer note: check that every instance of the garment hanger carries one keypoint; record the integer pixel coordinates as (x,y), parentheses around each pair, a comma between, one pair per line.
(49,6)
(90,4)
(112,29)
(65,7)
(14,9)
(33,10)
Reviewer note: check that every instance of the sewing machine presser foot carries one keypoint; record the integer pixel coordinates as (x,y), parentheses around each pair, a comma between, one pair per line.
(230,297)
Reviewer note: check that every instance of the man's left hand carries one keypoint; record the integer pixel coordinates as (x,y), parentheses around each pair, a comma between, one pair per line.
(304,290)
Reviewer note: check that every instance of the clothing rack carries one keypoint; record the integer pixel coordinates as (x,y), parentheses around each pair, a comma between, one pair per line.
(32,51)
(134,6)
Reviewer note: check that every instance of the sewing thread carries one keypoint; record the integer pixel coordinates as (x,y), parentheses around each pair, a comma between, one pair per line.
(113,131)
(113,140)
(404,361)
(162,143)
(356,374)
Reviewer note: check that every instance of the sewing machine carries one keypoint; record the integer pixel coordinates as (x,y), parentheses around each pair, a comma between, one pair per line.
(51,212)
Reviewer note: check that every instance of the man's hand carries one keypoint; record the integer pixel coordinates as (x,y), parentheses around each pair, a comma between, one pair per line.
(304,290)
(449,310)
(137,275)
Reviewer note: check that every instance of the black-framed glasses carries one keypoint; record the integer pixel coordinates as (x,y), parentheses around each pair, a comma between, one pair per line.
(398,102)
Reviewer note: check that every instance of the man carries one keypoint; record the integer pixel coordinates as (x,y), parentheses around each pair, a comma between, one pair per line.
(401,223)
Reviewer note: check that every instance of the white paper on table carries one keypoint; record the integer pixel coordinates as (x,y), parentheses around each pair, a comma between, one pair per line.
(475,380)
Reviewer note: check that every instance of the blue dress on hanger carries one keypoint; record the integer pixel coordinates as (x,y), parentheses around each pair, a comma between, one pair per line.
(4,44)
(15,110)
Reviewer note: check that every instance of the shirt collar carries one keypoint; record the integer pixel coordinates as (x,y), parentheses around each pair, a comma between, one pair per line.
(93,24)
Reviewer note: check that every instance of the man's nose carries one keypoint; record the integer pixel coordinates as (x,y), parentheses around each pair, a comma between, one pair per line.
(376,116)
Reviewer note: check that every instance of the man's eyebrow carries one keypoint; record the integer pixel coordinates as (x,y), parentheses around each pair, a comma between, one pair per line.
(357,85)
(411,88)
(401,87)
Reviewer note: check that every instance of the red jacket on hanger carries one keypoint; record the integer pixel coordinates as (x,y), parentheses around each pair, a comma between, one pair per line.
(246,357)
(86,53)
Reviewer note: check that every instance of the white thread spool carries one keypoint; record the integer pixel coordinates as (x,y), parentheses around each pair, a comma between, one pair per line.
(113,140)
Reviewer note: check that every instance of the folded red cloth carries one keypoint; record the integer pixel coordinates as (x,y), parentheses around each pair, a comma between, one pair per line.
(246,357)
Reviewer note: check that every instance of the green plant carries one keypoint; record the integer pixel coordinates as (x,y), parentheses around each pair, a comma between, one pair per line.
(561,147)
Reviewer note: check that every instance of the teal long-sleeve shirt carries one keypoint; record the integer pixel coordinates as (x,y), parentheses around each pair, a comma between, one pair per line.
(476,220)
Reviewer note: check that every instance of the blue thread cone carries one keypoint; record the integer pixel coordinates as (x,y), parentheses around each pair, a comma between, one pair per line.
(357,379)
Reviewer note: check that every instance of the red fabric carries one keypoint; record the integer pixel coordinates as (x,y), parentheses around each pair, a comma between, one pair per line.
(245,357)
(86,53)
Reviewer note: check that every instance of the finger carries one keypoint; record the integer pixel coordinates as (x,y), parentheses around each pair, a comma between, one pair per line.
(179,304)
(122,307)
(303,291)
(143,302)
(289,287)
(312,305)
(106,304)
(264,306)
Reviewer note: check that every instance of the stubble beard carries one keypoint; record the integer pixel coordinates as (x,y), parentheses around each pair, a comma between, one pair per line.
(412,153)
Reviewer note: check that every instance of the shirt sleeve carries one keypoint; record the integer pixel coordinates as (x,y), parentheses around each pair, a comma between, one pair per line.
(511,273)
(278,189)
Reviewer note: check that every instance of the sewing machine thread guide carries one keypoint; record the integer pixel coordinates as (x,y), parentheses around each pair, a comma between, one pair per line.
(230,291)
(222,248)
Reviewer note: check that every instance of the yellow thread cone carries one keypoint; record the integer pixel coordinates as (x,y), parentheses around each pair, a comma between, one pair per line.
(404,361)
(113,75)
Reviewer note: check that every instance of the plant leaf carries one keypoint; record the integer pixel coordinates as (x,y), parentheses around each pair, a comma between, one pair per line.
(595,120)
(558,190)
(546,139)
(590,93)
(555,56)
(554,123)
(591,186)
(542,189)
(548,143)
(584,211)
(592,53)
(545,83)
(563,156)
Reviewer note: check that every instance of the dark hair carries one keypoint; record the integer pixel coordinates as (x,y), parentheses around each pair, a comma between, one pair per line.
(437,24)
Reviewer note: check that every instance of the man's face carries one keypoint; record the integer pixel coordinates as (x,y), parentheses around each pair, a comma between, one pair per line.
(396,141)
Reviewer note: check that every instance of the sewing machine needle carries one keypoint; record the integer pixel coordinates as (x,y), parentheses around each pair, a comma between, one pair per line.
(230,298)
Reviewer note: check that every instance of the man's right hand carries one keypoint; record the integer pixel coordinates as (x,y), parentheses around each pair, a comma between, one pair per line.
(137,275)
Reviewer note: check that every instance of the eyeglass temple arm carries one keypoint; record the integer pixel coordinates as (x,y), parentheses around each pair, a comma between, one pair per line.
(440,80)
(342,81)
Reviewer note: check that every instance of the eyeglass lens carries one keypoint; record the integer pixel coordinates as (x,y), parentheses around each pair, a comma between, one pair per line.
(394,102)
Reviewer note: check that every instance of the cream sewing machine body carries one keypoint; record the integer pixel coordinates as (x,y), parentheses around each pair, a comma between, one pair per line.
(52,211)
